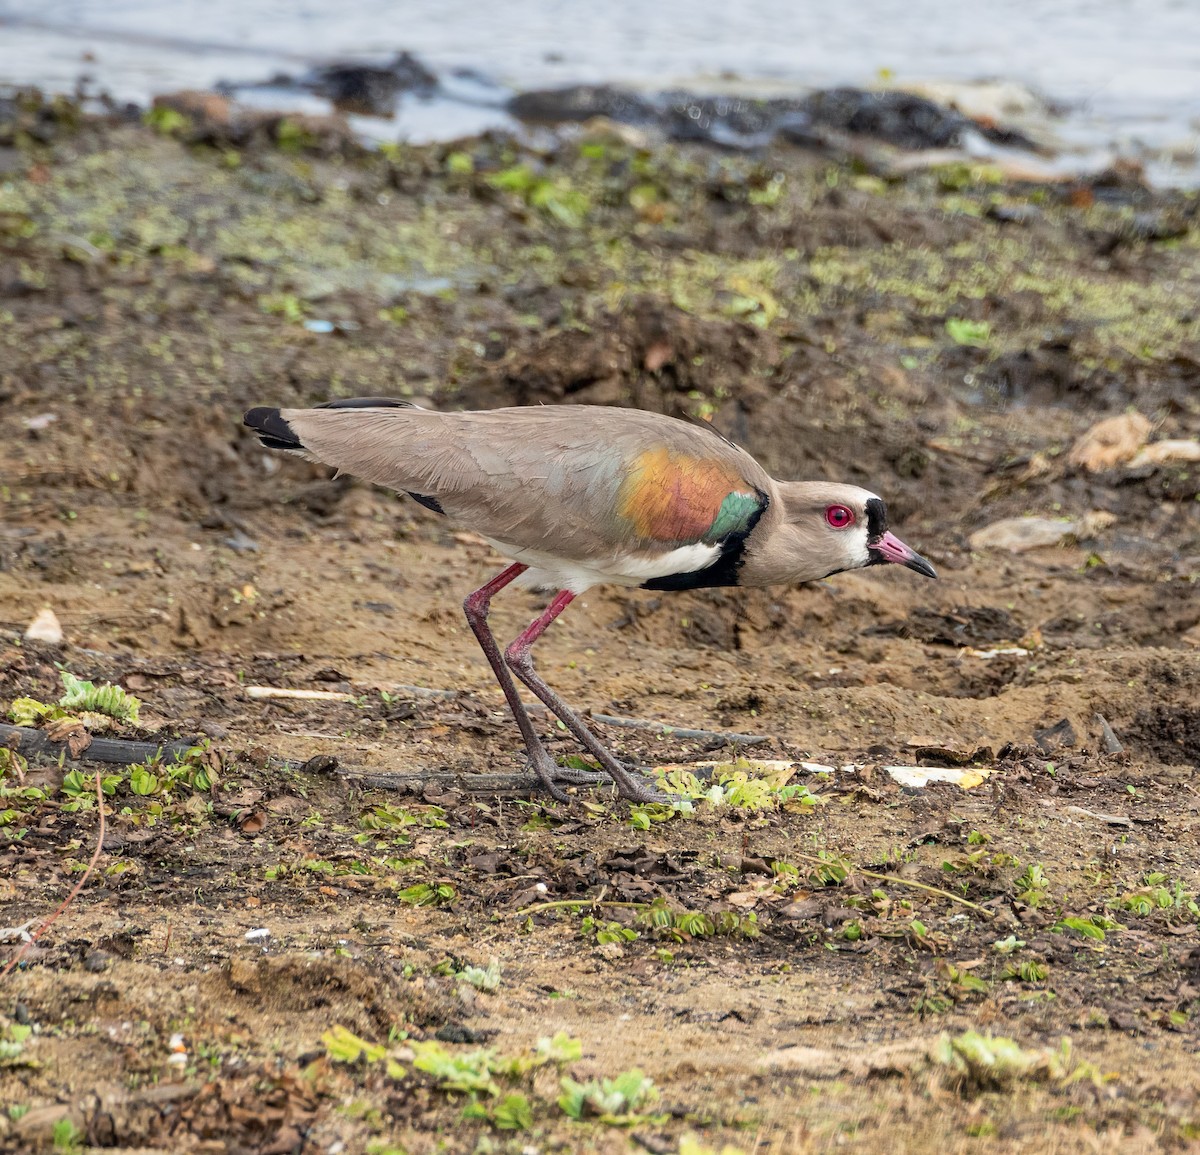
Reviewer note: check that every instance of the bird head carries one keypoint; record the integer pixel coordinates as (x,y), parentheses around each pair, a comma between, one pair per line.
(820,529)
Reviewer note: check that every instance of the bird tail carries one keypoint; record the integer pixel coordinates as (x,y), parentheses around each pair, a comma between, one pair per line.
(272,430)
(275,433)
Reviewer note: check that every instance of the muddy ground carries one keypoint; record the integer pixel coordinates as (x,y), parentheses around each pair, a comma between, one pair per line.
(155,280)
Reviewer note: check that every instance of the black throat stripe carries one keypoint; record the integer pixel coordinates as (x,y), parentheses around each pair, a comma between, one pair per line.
(723,571)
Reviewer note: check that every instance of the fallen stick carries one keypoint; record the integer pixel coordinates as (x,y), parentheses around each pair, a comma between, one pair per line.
(1110,819)
(29,743)
(259,693)
(503,783)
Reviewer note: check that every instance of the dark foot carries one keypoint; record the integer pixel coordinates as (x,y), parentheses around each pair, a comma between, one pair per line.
(548,774)
(553,777)
(635,788)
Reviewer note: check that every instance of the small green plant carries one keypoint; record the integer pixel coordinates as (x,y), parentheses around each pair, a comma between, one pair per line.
(1033,885)
(1093,927)
(343,1046)
(605,932)
(293,137)
(79,697)
(1007,945)
(481,1074)
(167,121)
(682,925)
(458,1070)
(963,982)
(12,1045)
(972,333)
(994,1062)
(460,164)
(285,305)
(390,817)
(1026,972)
(428,894)
(617,1102)
(106,698)
(832,870)
(513,1112)
(1159,892)
(556,198)
(483,978)
(142,780)
(739,785)
(67,1137)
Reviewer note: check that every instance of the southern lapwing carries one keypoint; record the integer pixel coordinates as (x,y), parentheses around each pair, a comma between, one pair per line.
(577,496)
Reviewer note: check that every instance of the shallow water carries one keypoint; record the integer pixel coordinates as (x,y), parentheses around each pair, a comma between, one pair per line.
(1126,73)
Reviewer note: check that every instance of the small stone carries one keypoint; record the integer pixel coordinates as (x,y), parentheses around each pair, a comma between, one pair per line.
(45,627)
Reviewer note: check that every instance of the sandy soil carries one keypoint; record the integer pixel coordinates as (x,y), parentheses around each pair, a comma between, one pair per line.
(151,288)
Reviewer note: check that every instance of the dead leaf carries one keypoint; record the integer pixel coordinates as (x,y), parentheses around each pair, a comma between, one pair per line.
(1110,442)
(1018,534)
(71,731)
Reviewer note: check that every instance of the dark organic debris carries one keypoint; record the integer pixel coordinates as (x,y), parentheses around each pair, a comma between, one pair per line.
(1169,733)
(1059,736)
(371,90)
(26,114)
(32,743)
(961,626)
(897,118)
(582,102)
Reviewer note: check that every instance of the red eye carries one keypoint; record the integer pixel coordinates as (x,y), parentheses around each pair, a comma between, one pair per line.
(839,516)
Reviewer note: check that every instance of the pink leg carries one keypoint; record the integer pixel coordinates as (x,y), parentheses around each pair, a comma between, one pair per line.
(476,608)
(520,661)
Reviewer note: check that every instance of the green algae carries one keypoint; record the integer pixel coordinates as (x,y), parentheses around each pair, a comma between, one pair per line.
(231,259)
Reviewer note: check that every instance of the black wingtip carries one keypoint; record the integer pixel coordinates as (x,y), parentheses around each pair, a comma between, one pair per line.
(272,430)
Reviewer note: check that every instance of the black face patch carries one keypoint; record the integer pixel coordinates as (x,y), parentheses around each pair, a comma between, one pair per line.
(876,519)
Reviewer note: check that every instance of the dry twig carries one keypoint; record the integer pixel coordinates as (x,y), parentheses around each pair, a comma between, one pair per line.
(74,890)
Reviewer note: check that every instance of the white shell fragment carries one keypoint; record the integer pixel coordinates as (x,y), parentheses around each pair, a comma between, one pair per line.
(1003,651)
(45,627)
